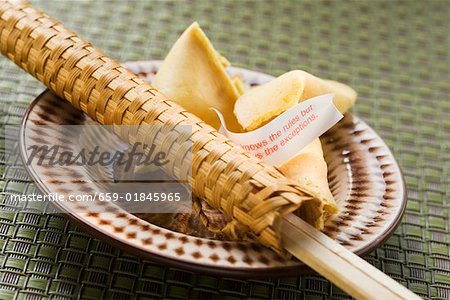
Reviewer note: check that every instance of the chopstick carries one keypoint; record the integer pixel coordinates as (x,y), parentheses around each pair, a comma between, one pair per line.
(339,265)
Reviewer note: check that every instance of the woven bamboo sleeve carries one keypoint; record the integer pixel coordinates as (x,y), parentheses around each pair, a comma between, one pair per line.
(251,193)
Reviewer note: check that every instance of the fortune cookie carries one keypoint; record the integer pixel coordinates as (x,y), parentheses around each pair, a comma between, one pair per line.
(308,166)
(261,104)
(193,75)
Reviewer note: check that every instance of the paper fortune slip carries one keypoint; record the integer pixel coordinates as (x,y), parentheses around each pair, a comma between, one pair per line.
(283,137)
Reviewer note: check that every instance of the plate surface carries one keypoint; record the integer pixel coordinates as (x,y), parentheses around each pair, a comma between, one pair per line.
(363,175)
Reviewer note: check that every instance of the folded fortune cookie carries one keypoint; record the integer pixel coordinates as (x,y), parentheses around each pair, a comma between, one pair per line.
(193,75)
(261,104)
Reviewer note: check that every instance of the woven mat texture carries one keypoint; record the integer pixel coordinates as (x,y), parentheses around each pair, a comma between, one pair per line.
(396,54)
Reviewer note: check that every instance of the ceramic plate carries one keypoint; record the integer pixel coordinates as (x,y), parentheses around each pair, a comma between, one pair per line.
(363,175)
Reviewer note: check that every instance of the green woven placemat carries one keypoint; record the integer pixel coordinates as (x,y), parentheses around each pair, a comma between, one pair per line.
(395,54)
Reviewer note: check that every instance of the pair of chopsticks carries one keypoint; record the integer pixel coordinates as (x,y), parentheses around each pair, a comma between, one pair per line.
(89,79)
(339,265)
